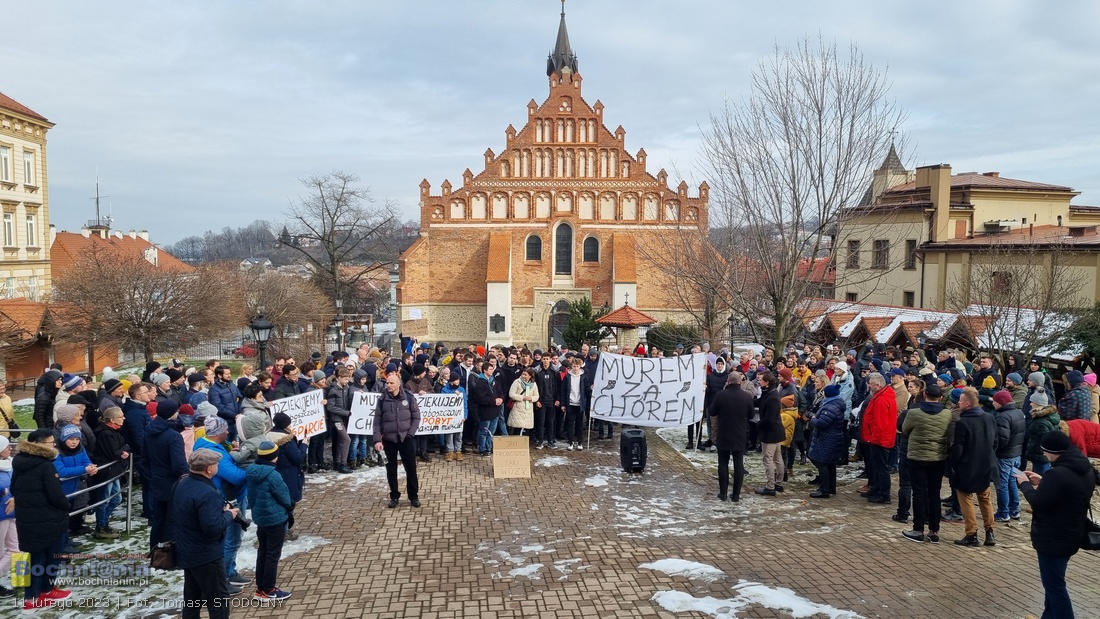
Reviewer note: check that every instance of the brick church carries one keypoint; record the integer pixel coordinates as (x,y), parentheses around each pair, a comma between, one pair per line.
(559,214)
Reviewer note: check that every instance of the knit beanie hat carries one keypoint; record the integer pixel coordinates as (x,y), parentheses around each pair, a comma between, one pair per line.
(111,384)
(167,408)
(955,395)
(159,379)
(71,381)
(1038,378)
(173,374)
(832,391)
(4,442)
(1002,397)
(215,426)
(66,412)
(989,382)
(317,377)
(1039,398)
(787,401)
(69,431)
(267,451)
(206,409)
(151,408)
(945,378)
(1054,442)
(281,421)
(1075,378)
(1015,378)
(786,374)
(841,367)
(108,374)
(152,366)
(1090,378)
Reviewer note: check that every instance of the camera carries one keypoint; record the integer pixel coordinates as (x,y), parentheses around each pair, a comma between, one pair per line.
(240,518)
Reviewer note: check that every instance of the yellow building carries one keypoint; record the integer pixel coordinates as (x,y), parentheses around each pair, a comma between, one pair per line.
(933,239)
(25,268)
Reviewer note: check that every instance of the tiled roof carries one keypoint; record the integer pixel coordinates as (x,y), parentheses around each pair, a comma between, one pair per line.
(27,316)
(499,268)
(69,247)
(624,262)
(1036,236)
(626,317)
(8,103)
(875,324)
(986,181)
(839,319)
(817,271)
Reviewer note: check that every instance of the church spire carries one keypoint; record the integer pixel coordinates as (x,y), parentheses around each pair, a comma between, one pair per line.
(562,57)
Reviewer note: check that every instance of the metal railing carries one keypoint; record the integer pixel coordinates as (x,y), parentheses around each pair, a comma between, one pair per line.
(128,473)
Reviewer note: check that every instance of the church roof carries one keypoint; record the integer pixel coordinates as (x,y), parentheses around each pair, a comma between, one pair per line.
(893,163)
(626,317)
(563,55)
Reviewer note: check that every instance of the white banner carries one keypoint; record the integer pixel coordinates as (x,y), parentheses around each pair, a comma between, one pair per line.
(440,413)
(307,414)
(656,392)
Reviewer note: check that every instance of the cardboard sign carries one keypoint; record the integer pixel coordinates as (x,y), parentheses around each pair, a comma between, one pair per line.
(440,413)
(658,392)
(511,457)
(307,414)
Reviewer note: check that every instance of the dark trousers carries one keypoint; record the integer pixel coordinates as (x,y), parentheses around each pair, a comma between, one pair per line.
(826,476)
(724,472)
(42,582)
(905,488)
(604,429)
(880,471)
(340,443)
(927,480)
(548,429)
(160,529)
(407,449)
(206,583)
(574,424)
(316,451)
(267,556)
(1052,571)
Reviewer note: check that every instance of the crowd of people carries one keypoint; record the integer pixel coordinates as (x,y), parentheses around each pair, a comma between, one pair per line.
(207,451)
(977,426)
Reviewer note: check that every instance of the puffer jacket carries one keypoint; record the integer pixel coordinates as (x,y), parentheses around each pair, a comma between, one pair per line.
(230,479)
(268,496)
(200,519)
(292,453)
(926,426)
(1085,435)
(523,413)
(72,463)
(1043,420)
(165,457)
(830,442)
(879,421)
(1059,504)
(1011,432)
(43,511)
(45,394)
(396,418)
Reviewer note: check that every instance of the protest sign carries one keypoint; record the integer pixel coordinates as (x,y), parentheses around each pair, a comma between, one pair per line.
(656,392)
(440,413)
(307,414)
(511,457)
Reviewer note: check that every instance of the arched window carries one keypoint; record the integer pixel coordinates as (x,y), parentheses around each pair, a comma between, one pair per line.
(534,248)
(591,250)
(563,250)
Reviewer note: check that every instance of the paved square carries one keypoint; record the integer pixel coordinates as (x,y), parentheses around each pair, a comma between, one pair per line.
(571,541)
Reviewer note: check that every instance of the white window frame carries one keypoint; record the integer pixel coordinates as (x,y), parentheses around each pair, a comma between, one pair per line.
(5,163)
(9,229)
(9,288)
(32,230)
(32,287)
(28,168)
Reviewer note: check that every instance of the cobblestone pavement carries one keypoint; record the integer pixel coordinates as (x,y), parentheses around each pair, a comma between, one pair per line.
(572,540)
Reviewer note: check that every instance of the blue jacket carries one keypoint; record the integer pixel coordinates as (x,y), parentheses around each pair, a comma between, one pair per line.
(268,495)
(226,398)
(830,432)
(71,465)
(465,401)
(291,456)
(164,459)
(5,493)
(133,429)
(230,480)
(200,519)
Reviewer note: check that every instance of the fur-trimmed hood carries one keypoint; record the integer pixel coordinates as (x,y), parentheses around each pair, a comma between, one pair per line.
(38,449)
(1044,411)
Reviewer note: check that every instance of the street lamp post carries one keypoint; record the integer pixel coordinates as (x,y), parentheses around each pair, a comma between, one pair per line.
(732,322)
(261,330)
(338,322)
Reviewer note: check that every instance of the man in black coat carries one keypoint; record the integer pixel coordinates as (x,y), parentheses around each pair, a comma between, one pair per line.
(548,381)
(730,411)
(771,434)
(201,518)
(164,463)
(42,516)
(1011,433)
(287,385)
(974,460)
(1059,505)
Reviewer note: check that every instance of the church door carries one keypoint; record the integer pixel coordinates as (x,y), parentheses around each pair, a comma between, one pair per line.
(559,319)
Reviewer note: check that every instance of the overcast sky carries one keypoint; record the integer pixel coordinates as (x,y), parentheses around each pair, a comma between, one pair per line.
(201,115)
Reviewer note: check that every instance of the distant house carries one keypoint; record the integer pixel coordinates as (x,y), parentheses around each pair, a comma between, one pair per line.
(258,264)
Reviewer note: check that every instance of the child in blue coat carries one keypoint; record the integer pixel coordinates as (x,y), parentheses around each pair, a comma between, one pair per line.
(269,499)
(73,462)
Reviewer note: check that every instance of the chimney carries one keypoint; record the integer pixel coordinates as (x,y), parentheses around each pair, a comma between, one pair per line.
(133,234)
(992,174)
(53,234)
(938,180)
(143,235)
(85,232)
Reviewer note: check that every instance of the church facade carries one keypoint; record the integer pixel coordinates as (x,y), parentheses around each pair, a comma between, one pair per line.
(563,212)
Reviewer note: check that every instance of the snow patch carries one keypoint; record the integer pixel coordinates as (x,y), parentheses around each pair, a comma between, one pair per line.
(547,461)
(596,481)
(687,569)
(532,548)
(528,571)
(24,402)
(749,594)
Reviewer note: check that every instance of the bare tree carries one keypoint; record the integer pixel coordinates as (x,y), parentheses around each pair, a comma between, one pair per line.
(297,307)
(1021,296)
(335,224)
(123,299)
(784,162)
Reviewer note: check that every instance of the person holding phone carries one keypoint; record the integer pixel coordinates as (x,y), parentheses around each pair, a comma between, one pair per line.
(1059,501)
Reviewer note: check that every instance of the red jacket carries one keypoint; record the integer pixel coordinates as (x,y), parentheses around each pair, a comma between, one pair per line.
(880,419)
(1086,435)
